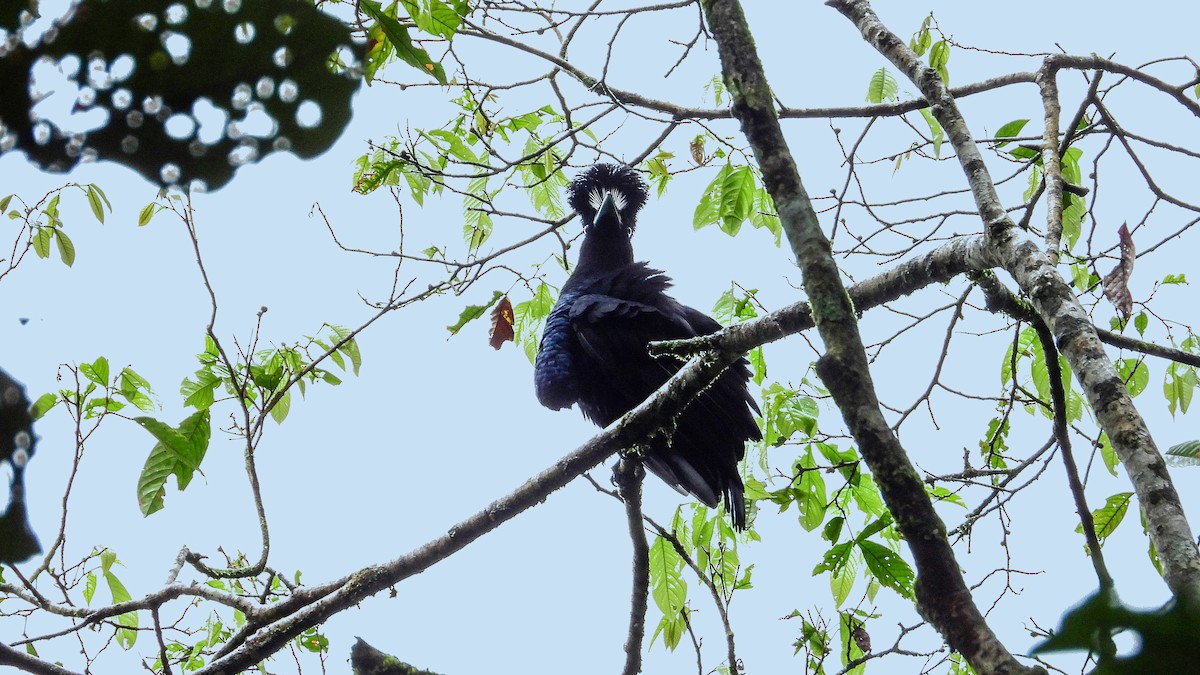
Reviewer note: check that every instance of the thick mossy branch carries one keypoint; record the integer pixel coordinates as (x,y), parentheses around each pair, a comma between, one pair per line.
(1057,306)
(942,594)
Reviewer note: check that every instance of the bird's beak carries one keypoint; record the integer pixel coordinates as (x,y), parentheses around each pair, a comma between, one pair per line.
(608,211)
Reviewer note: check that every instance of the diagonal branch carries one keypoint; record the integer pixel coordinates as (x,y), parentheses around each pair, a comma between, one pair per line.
(634,427)
(942,594)
(1058,307)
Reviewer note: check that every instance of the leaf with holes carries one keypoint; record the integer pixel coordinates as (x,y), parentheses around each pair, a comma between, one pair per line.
(1186,453)
(406,50)
(1108,517)
(1135,374)
(502,324)
(179,452)
(888,567)
(290,61)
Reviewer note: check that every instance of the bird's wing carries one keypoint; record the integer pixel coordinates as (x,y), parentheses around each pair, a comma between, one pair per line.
(612,330)
(612,334)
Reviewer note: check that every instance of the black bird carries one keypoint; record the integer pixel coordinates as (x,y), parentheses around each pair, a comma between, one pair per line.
(594,349)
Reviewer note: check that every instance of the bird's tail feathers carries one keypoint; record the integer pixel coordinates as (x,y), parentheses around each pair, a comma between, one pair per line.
(678,472)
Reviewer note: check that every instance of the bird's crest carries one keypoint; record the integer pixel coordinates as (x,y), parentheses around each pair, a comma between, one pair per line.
(627,189)
(596,198)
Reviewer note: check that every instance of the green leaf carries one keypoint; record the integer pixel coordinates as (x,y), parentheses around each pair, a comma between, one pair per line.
(841,582)
(1166,636)
(875,527)
(920,41)
(671,628)
(1108,517)
(1074,211)
(811,499)
(1188,449)
(833,529)
(939,55)
(668,589)
(41,241)
(128,622)
(706,212)
(435,17)
(1135,374)
(941,494)
(89,587)
(51,209)
(1010,130)
(667,585)
(835,558)
(96,371)
(1108,454)
(758,364)
(1070,166)
(1041,375)
(42,406)
(350,349)
(199,393)
(1022,152)
(883,87)
(737,199)
(178,451)
(406,49)
(166,434)
(146,214)
(935,131)
(4,203)
(529,317)
(313,641)
(151,484)
(1179,384)
(472,312)
(755,490)
(93,197)
(135,389)
(452,143)
(717,86)
(279,411)
(888,567)
(66,248)
(848,625)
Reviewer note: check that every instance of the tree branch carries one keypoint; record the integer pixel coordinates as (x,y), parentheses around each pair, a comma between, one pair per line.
(942,594)
(629,474)
(29,663)
(1055,303)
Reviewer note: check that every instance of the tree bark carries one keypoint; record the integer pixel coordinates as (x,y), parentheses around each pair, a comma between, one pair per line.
(942,594)
(1058,307)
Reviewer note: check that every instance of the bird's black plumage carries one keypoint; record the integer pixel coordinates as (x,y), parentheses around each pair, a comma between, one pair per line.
(594,349)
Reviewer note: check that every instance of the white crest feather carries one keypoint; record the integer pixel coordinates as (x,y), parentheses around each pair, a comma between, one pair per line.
(596,198)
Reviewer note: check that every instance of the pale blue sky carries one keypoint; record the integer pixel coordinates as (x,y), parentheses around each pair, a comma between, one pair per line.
(434,429)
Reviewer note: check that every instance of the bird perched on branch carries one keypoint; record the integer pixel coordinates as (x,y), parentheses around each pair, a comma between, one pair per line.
(594,348)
